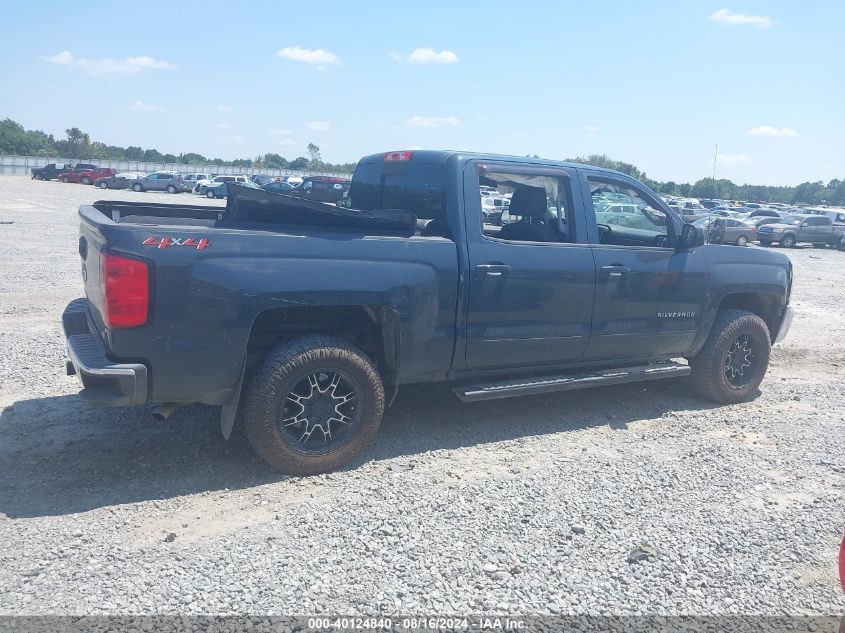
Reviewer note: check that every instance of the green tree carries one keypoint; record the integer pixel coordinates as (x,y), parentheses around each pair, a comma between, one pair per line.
(300,163)
(77,144)
(15,140)
(274,161)
(316,161)
(192,158)
(134,153)
(153,156)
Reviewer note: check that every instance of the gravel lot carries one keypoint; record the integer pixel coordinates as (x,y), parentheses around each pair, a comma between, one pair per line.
(529,505)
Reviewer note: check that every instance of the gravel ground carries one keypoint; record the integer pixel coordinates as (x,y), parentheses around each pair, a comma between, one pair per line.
(531,505)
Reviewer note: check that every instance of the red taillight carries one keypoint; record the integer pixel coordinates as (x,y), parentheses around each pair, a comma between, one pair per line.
(397,156)
(126,291)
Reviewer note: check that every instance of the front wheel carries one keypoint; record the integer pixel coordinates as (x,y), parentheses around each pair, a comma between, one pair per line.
(103,184)
(733,361)
(314,405)
(741,240)
(787,242)
(137,188)
(65,180)
(210,194)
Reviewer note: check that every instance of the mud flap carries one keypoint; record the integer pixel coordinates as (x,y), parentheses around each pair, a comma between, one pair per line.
(229,411)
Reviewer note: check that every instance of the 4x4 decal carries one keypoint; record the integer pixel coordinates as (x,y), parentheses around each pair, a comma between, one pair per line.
(164,242)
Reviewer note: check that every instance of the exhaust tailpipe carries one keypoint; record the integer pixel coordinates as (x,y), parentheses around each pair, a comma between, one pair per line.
(164,410)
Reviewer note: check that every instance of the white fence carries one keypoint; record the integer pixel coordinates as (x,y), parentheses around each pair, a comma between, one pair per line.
(21,166)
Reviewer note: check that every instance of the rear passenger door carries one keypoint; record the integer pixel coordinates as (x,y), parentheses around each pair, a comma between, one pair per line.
(817,230)
(649,298)
(531,281)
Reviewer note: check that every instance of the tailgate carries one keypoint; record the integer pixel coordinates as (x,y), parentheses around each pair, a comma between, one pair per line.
(91,244)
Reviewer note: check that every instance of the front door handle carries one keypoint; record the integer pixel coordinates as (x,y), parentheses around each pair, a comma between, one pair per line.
(615,270)
(494,270)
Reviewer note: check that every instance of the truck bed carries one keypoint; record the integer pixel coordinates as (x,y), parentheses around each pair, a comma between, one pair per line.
(247,207)
(214,282)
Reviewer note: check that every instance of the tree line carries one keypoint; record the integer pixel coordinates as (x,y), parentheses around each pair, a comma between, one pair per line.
(818,192)
(14,139)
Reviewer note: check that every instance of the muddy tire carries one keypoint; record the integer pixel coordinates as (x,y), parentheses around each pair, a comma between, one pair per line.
(314,405)
(734,360)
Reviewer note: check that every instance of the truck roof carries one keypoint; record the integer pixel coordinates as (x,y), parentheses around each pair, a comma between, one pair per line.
(437,156)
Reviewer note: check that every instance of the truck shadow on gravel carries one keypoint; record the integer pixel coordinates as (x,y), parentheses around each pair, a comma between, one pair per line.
(59,456)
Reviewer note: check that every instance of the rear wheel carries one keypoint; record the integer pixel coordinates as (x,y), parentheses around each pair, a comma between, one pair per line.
(741,240)
(171,189)
(103,184)
(210,194)
(65,180)
(788,241)
(733,361)
(137,188)
(841,243)
(314,405)
(85,180)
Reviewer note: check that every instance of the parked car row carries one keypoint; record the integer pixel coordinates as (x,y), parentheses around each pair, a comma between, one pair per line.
(330,189)
(786,230)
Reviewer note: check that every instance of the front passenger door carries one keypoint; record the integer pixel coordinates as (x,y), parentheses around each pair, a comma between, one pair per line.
(649,298)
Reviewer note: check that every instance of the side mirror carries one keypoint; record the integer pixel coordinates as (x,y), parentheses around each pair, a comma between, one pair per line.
(804,225)
(691,237)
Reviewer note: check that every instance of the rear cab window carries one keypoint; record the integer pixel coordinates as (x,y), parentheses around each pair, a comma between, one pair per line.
(415,186)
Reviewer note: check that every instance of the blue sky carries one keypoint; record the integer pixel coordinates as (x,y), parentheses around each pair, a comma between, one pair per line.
(657,84)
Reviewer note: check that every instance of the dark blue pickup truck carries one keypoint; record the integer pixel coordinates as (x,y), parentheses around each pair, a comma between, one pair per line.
(302,319)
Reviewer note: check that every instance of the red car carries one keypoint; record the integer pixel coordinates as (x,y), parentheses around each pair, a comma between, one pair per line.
(87,175)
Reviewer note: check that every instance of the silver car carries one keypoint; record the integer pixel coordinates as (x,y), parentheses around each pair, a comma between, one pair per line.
(160,181)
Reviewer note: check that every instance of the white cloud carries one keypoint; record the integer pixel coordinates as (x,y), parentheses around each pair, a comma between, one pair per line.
(433,121)
(140,106)
(768,130)
(426,56)
(309,56)
(224,108)
(590,128)
(318,126)
(287,141)
(731,159)
(273,130)
(105,66)
(726,16)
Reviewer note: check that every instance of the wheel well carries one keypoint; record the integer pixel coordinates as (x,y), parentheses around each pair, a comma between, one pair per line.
(766,306)
(372,328)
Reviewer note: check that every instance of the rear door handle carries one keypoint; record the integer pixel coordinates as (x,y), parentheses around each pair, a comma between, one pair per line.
(494,270)
(615,270)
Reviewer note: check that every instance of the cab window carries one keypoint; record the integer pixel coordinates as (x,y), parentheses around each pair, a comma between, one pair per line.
(524,206)
(626,216)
